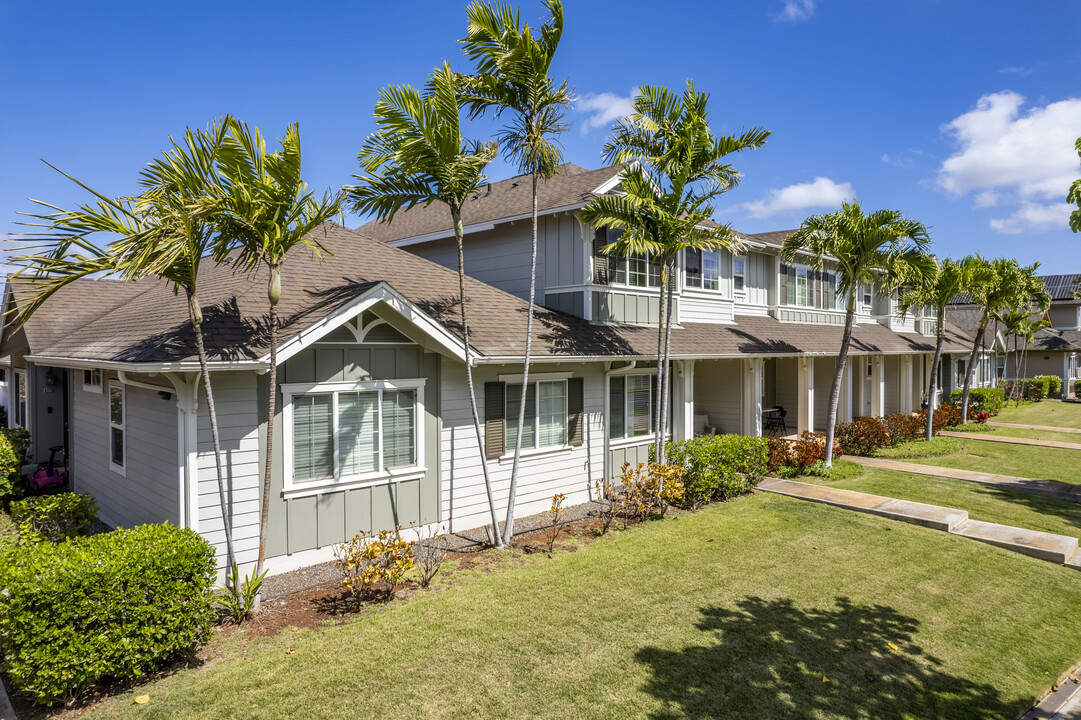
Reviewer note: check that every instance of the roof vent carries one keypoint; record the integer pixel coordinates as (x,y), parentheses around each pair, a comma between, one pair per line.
(516,183)
(230,260)
(489,190)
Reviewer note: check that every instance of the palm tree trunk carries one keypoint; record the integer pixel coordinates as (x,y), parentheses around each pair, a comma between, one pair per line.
(508,527)
(459,235)
(932,386)
(658,433)
(968,370)
(667,282)
(274,291)
(838,374)
(195,314)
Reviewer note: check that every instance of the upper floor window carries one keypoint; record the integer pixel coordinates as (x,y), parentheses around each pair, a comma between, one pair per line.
(803,286)
(636,270)
(867,294)
(738,274)
(702,269)
(92,380)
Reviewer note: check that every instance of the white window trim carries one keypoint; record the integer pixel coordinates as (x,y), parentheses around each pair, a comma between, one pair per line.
(537,449)
(292,489)
(19,377)
(741,292)
(627,271)
(92,388)
(633,439)
(711,292)
(123,426)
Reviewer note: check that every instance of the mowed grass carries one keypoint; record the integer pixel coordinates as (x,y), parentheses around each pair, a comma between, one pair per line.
(1033,434)
(972,453)
(766,607)
(1053,413)
(983,502)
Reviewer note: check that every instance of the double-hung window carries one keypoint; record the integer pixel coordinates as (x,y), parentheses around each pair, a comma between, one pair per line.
(92,380)
(19,397)
(702,269)
(738,274)
(632,405)
(802,297)
(636,270)
(117,426)
(341,432)
(545,414)
(867,295)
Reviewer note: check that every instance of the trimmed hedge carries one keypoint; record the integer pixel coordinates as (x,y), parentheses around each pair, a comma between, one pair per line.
(717,467)
(866,435)
(1077,388)
(107,606)
(1054,385)
(54,517)
(988,400)
(792,457)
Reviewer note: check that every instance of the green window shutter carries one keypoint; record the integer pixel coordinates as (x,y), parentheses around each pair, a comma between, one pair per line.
(575,411)
(784,285)
(494,421)
(600,260)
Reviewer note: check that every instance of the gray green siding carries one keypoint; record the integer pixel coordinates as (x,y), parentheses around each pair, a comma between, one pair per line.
(625,308)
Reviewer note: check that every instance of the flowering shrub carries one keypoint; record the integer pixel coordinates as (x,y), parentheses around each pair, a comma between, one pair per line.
(368,559)
(981,417)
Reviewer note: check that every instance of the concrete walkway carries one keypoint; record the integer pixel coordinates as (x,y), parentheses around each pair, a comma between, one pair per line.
(1058,549)
(1012,440)
(1051,428)
(1061,704)
(1046,488)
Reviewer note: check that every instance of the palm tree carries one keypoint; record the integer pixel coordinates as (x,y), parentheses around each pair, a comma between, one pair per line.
(938,289)
(1074,196)
(418,156)
(264,211)
(511,74)
(676,170)
(880,248)
(1013,326)
(995,287)
(161,233)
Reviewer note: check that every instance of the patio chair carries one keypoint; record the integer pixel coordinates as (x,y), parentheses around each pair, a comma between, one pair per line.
(775,421)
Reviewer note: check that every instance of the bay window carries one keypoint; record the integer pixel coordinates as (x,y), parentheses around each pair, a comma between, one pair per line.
(702,269)
(337,432)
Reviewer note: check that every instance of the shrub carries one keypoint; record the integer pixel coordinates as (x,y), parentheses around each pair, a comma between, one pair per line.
(430,552)
(367,559)
(107,606)
(237,598)
(1077,388)
(556,513)
(717,467)
(902,427)
(841,470)
(1054,385)
(649,489)
(862,436)
(988,400)
(54,517)
(10,463)
(921,448)
(19,439)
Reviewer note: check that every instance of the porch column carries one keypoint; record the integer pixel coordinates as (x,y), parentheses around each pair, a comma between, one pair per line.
(878,386)
(906,384)
(683,401)
(844,400)
(752,396)
(806,390)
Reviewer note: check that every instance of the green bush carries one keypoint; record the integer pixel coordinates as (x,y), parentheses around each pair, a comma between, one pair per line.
(988,400)
(106,606)
(862,436)
(717,467)
(20,441)
(54,517)
(1077,388)
(10,463)
(1054,384)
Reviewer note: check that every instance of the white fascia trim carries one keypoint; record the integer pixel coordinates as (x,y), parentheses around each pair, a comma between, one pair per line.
(580,359)
(478,227)
(147,368)
(380,293)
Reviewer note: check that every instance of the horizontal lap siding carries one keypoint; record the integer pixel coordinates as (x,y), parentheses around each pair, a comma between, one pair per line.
(568,471)
(823,377)
(718,393)
(149,491)
(703,309)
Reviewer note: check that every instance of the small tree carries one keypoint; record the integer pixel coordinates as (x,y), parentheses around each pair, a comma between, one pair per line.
(880,248)
(418,156)
(512,67)
(677,170)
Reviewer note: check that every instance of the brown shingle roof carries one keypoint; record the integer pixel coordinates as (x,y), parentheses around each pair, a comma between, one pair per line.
(512,197)
(774,237)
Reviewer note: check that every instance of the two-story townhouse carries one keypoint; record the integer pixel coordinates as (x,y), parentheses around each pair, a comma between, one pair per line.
(754,337)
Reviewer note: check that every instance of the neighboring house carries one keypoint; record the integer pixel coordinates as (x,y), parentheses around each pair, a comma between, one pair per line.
(374,428)
(1054,350)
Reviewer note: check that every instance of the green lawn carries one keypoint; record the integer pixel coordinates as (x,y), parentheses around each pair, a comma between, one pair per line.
(1026,461)
(766,607)
(1049,412)
(986,503)
(1034,434)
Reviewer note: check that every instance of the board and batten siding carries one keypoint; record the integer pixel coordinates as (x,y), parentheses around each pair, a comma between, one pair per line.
(758,270)
(562,257)
(149,489)
(569,470)
(499,257)
(322,520)
(628,308)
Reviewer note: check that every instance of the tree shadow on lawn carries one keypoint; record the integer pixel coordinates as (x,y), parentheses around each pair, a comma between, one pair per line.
(772,660)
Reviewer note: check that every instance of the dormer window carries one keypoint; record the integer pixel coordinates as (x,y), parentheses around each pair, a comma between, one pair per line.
(702,269)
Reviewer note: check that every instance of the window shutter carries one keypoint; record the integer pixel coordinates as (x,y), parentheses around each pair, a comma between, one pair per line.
(494,421)
(575,411)
(600,260)
(784,285)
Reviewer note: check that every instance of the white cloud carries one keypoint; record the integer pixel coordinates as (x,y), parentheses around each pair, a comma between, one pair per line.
(1001,147)
(1034,218)
(821,193)
(604,108)
(795,11)
(987,198)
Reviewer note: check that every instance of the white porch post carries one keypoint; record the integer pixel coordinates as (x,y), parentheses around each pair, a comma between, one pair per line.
(906,384)
(878,386)
(844,402)
(752,396)
(683,401)
(806,389)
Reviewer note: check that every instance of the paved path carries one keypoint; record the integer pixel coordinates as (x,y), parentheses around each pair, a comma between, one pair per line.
(1052,428)
(1061,704)
(1046,488)
(1058,549)
(1012,440)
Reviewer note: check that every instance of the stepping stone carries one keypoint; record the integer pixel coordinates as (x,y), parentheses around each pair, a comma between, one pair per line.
(1054,548)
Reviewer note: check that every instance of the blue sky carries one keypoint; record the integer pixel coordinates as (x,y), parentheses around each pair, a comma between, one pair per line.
(960,114)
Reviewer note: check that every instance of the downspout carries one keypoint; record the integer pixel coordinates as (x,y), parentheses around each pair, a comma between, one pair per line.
(187,405)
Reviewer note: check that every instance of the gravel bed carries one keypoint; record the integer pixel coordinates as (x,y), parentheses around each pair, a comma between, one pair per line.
(323,573)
